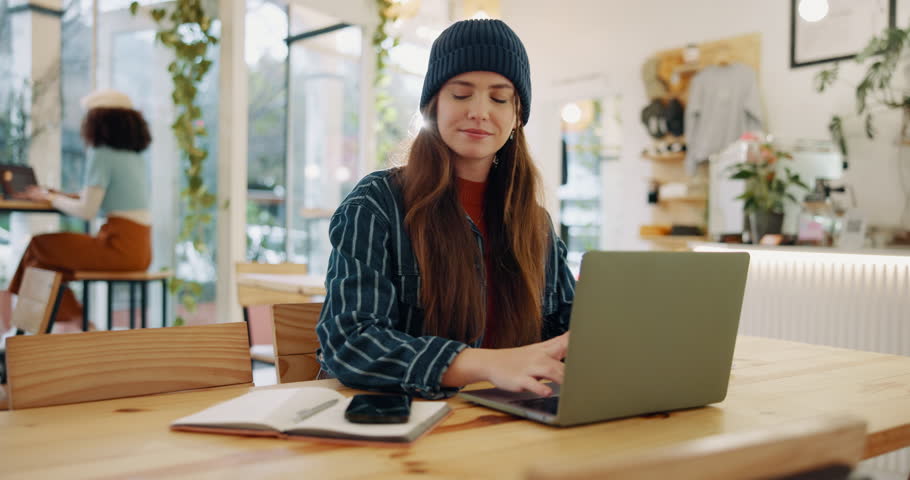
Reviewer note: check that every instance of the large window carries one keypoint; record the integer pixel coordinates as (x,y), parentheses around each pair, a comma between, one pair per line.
(127,58)
(324,129)
(10,97)
(407,67)
(266,58)
(590,136)
(76,75)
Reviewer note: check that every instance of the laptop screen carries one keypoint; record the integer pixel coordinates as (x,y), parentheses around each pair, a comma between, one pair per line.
(16,179)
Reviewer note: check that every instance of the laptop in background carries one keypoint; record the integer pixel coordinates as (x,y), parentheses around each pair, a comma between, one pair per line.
(651,332)
(16,179)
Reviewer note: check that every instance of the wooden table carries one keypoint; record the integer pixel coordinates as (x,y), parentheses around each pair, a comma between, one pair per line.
(29,206)
(305,285)
(773,382)
(26,206)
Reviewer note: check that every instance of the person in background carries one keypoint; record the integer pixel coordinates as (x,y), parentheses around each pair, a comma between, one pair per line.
(116,185)
(447,271)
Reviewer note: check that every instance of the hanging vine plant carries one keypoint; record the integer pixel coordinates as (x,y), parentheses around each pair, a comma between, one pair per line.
(185,28)
(386,113)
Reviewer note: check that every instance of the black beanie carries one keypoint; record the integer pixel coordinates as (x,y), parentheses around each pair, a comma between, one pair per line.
(479,45)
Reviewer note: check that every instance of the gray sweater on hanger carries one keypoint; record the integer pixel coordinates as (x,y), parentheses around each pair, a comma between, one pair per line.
(723,104)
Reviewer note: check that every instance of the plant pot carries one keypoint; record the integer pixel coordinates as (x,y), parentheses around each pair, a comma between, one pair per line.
(760,223)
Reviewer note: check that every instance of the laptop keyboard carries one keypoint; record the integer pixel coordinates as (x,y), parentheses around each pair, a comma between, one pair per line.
(545,404)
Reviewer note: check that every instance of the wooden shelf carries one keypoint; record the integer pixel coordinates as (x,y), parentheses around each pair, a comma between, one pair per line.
(264,196)
(667,157)
(315,213)
(675,238)
(678,243)
(676,200)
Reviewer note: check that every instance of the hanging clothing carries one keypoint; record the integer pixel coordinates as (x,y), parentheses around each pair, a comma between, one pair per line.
(723,104)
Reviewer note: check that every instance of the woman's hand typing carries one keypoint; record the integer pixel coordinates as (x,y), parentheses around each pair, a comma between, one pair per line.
(513,369)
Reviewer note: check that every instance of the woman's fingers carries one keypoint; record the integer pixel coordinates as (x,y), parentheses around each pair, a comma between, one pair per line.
(548,369)
(537,388)
(557,347)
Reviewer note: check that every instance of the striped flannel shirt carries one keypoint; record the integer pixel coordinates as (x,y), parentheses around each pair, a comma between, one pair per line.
(371,325)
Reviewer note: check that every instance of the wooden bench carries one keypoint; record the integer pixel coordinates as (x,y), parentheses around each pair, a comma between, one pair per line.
(135,278)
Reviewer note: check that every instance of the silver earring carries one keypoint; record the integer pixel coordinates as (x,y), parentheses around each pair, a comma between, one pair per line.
(512,135)
(495,161)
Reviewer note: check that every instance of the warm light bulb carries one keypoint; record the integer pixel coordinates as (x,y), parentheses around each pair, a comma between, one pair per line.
(311,171)
(342,174)
(571,113)
(417,123)
(481,15)
(813,10)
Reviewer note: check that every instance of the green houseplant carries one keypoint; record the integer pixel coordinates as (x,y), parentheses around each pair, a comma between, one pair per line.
(383,42)
(186,29)
(767,189)
(879,88)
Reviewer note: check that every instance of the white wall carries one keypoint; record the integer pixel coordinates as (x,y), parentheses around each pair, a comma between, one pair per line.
(580,39)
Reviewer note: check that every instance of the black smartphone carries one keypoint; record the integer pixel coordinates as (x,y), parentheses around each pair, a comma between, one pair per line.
(369,408)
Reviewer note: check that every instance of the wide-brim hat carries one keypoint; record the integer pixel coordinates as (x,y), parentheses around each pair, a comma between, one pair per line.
(106,98)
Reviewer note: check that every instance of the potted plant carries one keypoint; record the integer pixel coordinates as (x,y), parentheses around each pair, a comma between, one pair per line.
(767,189)
(879,90)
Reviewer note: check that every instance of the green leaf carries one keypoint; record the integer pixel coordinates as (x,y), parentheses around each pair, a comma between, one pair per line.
(826,78)
(743,174)
(869,127)
(134,8)
(157,14)
(835,126)
(188,302)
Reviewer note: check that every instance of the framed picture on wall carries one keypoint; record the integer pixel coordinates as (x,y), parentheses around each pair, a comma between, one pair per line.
(831,30)
(901,13)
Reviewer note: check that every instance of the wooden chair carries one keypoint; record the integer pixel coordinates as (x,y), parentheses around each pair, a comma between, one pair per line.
(37,302)
(820,448)
(296,341)
(248,296)
(140,279)
(58,369)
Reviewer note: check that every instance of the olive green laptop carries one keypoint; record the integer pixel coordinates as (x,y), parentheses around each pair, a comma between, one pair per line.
(651,332)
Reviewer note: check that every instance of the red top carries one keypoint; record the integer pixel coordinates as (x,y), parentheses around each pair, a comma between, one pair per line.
(471,195)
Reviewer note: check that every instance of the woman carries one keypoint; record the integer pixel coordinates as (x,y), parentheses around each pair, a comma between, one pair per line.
(447,271)
(116,184)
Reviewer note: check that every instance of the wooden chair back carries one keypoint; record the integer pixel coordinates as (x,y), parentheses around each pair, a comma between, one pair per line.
(48,370)
(248,295)
(828,446)
(296,341)
(37,298)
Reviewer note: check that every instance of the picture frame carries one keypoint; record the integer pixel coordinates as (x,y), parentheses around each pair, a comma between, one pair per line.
(901,13)
(841,34)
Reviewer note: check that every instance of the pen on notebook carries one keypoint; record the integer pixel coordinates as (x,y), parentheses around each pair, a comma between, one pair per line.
(309,412)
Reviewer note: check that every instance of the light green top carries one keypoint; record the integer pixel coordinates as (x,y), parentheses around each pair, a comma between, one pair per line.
(122,174)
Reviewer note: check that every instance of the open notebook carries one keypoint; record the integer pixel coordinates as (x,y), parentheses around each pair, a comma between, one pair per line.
(312,412)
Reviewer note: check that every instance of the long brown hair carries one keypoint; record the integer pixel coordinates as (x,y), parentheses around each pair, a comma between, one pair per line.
(451,288)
